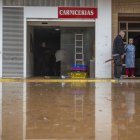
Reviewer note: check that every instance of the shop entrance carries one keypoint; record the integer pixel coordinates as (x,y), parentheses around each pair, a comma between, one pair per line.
(131,25)
(48,44)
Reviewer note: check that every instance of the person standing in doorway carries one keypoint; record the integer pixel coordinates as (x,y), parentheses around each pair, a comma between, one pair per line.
(47,60)
(59,56)
(118,54)
(42,52)
(130,59)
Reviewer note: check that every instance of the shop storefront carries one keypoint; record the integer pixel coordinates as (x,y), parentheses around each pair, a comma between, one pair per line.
(25,23)
(126,16)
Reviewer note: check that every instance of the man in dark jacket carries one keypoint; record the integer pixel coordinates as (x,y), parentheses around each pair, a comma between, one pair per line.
(118,54)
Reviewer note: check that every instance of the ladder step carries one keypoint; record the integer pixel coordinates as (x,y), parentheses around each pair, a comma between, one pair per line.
(79,53)
(79,34)
(79,59)
(79,56)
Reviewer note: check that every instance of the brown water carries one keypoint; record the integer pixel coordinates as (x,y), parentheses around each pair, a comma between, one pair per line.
(70,111)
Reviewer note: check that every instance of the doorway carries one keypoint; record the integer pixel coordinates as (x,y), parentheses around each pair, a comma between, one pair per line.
(50,37)
(132,30)
(46,43)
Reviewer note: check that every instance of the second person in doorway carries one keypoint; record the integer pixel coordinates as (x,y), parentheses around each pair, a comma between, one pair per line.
(47,60)
(130,59)
(60,56)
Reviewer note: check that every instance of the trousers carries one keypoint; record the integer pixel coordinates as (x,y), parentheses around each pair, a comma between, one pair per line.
(129,71)
(117,66)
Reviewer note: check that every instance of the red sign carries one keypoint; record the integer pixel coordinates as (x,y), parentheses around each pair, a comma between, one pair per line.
(77,12)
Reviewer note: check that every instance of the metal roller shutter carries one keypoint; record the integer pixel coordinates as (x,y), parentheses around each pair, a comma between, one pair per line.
(12,42)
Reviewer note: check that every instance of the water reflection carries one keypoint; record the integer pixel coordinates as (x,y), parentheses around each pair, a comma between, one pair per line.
(78,99)
(24,110)
(125,126)
(74,111)
(103,111)
(0,110)
(12,111)
(129,94)
(64,113)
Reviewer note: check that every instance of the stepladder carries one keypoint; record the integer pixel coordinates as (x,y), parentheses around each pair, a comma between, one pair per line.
(79,53)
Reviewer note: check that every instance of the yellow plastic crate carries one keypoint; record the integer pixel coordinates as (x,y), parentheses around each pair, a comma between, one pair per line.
(78,74)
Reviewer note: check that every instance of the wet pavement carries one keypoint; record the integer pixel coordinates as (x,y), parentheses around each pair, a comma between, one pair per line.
(70,110)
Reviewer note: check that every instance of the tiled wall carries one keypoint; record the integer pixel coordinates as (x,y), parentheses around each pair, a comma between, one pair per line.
(122,6)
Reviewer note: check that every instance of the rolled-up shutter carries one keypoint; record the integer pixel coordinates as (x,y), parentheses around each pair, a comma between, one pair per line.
(12,42)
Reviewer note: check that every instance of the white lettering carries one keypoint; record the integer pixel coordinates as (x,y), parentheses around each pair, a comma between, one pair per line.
(64,12)
(61,12)
(76,12)
(92,12)
(88,12)
(67,12)
(71,12)
(82,12)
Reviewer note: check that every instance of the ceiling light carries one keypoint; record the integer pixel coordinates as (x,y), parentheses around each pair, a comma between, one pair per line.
(44,22)
(57,29)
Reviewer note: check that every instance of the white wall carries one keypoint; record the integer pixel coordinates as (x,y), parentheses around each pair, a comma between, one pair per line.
(103,27)
(1,38)
(41,12)
(103,31)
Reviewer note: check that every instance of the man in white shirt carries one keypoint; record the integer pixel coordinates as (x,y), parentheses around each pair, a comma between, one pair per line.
(60,57)
(60,54)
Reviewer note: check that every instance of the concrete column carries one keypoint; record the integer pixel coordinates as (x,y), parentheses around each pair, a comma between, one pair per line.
(1,38)
(103,33)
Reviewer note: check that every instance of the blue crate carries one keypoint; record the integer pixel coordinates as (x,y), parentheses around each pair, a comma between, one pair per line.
(81,66)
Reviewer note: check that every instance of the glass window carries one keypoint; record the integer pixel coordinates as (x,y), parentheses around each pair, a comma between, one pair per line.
(13,2)
(82,3)
(57,2)
(87,3)
(133,26)
(95,3)
(122,26)
(47,3)
(67,2)
(77,3)
(61,2)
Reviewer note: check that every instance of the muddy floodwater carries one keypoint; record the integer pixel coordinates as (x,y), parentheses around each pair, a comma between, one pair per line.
(70,110)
